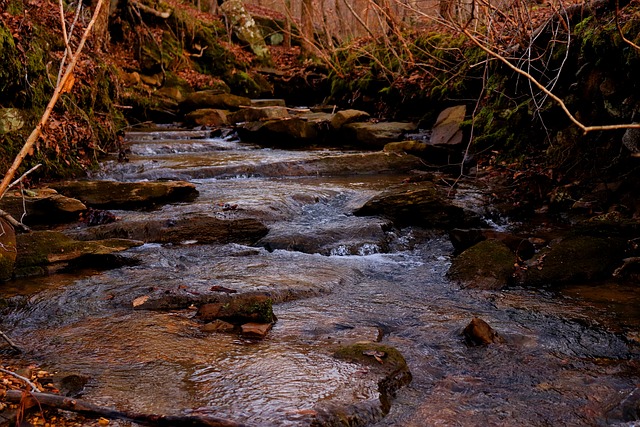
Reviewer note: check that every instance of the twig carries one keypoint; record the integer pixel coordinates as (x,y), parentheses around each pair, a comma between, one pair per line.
(22,177)
(14,222)
(12,344)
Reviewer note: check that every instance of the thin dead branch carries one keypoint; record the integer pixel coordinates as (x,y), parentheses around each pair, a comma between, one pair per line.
(35,134)
(11,343)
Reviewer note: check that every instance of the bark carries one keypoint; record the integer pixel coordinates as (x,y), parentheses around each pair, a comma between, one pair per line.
(306,18)
(91,410)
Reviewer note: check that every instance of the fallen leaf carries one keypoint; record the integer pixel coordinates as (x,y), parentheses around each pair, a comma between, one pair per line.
(140,300)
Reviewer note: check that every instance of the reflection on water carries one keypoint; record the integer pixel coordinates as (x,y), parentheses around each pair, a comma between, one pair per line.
(566,360)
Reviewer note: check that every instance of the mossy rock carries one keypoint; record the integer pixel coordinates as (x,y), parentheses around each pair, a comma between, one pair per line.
(41,252)
(574,259)
(383,362)
(240,309)
(486,265)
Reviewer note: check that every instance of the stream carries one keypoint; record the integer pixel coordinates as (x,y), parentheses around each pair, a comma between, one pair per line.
(569,358)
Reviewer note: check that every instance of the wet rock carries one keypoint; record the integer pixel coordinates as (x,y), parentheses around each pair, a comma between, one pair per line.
(478,332)
(127,195)
(446,130)
(11,120)
(239,309)
(486,265)
(218,326)
(377,135)
(71,385)
(213,99)
(576,258)
(463,239)
(211,117)
(391,373)
(256,330)
(198,228)
(268,103)
(279,133)
(420,204)
(344,117)
(7,250)
(255,114)
(409,147)
(44,252)
(340,237)
(42,206)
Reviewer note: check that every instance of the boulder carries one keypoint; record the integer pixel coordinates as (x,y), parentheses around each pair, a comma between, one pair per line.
(344,117)
(213,99)
(377,135)
(486,265)
(239,309)
(45,252)
(7,250)
(574,259)
(631,141)
(210,117)
(279,132)
(478,332)
(127,195)
(198,228)
(218,326)
(255,114)
(245,28)
(463,239)
(42,206)
(446,130)
(11,120)
(422,204)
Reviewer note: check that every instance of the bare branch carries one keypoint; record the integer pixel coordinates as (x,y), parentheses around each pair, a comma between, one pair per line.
(52,102)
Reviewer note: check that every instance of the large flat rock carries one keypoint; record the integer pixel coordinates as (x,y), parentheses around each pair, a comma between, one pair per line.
(127,195)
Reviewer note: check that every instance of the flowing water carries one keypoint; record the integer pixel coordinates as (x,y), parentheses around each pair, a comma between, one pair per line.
(568,358)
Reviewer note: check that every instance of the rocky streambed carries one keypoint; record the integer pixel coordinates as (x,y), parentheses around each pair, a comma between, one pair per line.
(321,287)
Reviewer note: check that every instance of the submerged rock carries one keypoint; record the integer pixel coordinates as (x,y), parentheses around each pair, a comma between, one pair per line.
(486,265)
(421,204)
(127,195)
(478,332)
(256,330)
(383,364)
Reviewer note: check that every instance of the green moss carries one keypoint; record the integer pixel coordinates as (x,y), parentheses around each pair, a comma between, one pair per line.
(10,70)
(486,265)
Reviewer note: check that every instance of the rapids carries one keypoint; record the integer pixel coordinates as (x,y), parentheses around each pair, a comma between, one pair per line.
(568,358)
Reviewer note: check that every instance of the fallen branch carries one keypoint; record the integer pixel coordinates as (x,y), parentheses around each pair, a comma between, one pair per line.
(35,134)
(89,409)
(10,342)
(14,222)
(144,8)
(560,102)
(21,378)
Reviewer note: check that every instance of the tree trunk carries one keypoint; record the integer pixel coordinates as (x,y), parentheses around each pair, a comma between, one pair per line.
(307,31)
